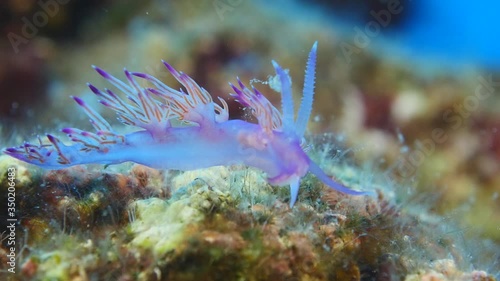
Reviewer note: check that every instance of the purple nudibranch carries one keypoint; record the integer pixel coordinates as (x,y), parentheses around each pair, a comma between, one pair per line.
(273,145)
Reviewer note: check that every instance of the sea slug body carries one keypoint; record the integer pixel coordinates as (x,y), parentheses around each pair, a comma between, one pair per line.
(209,138)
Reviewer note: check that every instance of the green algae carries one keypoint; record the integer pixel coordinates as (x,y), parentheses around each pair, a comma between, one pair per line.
(160,226)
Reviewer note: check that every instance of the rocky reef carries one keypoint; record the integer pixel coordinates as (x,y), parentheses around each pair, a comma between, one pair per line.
(130,222)
(424,138)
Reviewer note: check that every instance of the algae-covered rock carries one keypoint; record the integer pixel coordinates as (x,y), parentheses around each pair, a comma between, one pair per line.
(446,270)
(227,223)
(161,226)
(14,169)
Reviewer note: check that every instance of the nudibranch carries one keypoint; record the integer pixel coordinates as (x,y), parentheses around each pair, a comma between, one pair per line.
(208,138)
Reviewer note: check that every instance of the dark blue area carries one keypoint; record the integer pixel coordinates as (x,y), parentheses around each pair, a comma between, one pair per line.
(460,32)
